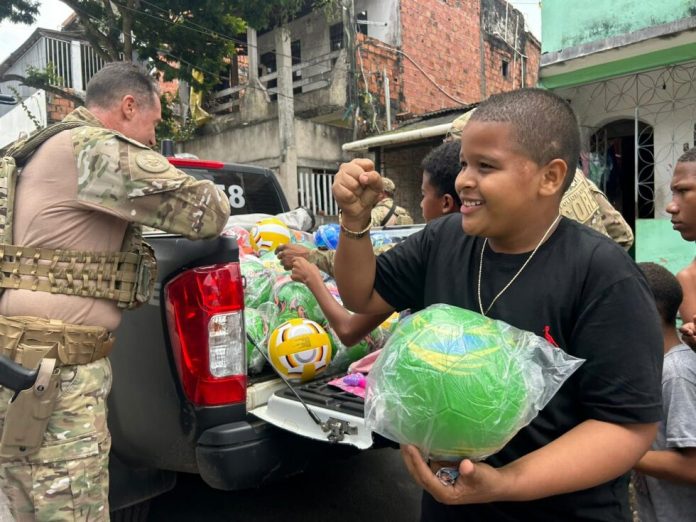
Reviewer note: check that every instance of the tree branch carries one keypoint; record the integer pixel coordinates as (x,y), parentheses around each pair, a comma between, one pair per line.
(101,44)
(45,86)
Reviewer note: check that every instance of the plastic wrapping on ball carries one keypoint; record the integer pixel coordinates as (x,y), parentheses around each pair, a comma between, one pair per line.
(379,239)
(259,281)
(343,356)
(256,326)
(326,236)
(300,237)
(270,261)
(460,385)
(241,235)
(294,299)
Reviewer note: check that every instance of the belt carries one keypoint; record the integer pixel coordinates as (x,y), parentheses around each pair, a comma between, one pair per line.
(27,340)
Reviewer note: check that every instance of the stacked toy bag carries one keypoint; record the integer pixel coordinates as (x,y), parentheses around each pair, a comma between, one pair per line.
(282,316)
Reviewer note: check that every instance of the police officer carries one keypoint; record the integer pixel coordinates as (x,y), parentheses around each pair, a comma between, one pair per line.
(86,190)
(386,212)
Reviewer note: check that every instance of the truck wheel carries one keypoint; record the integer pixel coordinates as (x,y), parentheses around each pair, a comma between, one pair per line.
(136,513)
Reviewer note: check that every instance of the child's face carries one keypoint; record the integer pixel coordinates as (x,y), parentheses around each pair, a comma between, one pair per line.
(498,185)
(432,203)
(683,204)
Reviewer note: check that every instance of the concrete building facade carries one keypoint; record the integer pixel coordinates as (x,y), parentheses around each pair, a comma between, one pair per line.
(628,69)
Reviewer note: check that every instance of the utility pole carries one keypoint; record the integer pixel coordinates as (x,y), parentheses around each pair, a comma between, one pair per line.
(348,19)
(286,115)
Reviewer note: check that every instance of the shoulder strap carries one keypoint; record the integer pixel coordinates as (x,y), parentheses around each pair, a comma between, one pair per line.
(386,218)
(23,149)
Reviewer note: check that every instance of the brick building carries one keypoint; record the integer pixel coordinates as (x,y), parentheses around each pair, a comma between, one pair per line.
(423,56)
(452,55)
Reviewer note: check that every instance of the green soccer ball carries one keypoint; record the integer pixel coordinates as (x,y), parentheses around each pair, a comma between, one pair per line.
(294,300)
(256,327)
(448,382)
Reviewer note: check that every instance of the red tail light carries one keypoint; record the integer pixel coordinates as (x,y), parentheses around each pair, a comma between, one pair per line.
(205,315)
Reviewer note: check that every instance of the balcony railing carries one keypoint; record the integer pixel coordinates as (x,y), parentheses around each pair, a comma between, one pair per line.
(72,62)
(226,99)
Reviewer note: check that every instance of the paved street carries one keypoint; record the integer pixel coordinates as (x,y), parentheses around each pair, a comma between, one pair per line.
(371,486)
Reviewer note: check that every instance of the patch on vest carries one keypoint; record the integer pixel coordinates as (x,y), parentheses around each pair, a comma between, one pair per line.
(578,203)
(151,162)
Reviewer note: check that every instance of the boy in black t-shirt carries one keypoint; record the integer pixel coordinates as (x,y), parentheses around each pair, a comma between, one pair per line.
(510,256)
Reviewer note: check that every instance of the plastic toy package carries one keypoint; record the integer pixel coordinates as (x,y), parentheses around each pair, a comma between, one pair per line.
(460,385)
(256,324)
(259,281)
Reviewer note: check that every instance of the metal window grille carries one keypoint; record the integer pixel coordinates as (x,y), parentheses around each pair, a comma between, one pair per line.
(58,54)
(314,188)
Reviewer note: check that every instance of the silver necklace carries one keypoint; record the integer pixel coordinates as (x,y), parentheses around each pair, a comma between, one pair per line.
(480,270)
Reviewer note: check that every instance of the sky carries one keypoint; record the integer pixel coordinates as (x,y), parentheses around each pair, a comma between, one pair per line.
(53,12)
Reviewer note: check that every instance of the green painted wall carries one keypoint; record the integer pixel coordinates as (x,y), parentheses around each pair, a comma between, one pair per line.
(656,241)
(567,23)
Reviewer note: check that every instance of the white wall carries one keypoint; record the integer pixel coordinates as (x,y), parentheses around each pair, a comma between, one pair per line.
(382,11)
(664,98)
(17,120)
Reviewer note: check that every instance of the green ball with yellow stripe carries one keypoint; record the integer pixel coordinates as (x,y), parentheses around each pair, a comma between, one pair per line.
(453,385)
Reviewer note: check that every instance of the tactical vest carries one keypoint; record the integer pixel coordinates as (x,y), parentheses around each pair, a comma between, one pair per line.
(126,277)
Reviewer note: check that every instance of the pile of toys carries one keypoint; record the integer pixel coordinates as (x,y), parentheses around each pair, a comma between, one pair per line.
(282,316)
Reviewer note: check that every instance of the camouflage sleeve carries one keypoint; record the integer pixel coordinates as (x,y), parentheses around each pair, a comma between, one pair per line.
(614,223)
(323,259)
(126,179)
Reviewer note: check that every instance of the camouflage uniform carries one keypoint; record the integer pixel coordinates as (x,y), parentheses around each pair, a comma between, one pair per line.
(67,478)
(585,203)
(324,259)
(400,216)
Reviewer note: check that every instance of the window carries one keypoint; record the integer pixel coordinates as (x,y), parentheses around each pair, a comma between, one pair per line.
(336,36)
(505,69)
(362,17)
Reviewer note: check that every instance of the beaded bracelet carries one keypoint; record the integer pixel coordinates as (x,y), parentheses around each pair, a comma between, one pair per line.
(350,233)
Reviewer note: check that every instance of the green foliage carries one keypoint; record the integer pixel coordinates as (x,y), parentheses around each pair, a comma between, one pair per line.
(19,11)
(172,127)
(46,76)
(31,115)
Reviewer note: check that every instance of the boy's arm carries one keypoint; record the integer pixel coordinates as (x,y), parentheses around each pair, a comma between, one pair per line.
(590,454)
(677,464)
(350,328)
(356,187)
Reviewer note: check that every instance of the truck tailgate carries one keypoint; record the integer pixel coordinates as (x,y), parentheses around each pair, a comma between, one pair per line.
(340,409)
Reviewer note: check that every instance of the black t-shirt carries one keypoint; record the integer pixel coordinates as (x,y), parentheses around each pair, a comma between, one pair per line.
(580,290)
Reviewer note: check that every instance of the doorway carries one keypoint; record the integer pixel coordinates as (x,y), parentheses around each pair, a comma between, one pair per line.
(612,166)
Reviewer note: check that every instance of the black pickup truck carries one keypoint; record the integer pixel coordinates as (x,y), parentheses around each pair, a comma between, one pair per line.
(181,399)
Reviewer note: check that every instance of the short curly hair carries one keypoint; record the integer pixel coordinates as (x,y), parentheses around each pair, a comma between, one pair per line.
(442,165)
(666,290)
(544,125)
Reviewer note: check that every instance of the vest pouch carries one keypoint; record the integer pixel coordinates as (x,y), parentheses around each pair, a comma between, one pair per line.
(29,412)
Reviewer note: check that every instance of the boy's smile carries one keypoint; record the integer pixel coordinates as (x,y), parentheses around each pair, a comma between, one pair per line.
(499,189)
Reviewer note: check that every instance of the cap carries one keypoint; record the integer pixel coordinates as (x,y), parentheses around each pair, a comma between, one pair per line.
(388,186)
(458,125)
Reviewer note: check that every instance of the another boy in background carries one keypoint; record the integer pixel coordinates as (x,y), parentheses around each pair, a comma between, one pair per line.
(666,478)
